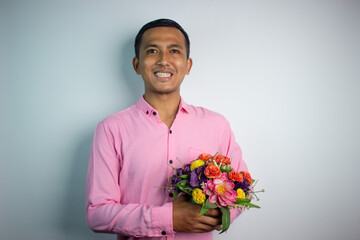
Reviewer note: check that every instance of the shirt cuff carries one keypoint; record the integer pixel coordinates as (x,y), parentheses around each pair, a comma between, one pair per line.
(162,221)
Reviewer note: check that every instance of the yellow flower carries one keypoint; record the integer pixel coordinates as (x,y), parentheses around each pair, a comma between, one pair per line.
(198,196)
(197,164)
(240,193)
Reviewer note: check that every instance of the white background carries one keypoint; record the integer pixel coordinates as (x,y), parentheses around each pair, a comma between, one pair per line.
(284,73)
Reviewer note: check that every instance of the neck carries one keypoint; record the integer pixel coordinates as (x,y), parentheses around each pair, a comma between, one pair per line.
(166,104)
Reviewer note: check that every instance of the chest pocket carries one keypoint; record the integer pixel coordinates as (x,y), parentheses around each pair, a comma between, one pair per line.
(195,152)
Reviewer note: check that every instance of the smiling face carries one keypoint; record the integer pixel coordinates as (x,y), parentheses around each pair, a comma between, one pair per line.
(162,61)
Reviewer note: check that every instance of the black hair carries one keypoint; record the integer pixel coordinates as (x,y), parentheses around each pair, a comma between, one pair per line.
(160,23)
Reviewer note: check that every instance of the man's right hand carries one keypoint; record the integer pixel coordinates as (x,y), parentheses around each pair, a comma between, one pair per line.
(186,217)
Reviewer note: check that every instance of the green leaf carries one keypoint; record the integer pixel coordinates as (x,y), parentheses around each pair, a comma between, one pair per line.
(225,218)
(203,209)
(182,183)
(208,204)
(225,168)
(182,186)
(250,205)
(242,200)
(175,195)
(188,190)
(184,176)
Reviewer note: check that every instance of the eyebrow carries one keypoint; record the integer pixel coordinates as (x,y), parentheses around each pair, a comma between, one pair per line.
(175,45)
(169,46)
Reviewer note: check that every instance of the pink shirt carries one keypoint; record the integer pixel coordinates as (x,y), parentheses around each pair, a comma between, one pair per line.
(129,161)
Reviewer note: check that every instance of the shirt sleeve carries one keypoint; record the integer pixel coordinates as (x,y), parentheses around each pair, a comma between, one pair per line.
(104,211)
(233,150)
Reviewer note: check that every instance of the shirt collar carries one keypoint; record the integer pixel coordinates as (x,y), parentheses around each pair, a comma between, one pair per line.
(183,106)
(145,107)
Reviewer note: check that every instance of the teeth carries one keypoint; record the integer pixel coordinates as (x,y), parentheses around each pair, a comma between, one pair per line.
(161,74)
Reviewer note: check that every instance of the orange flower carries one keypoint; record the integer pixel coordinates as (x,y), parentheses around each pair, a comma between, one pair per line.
(204,156)
(222,159)
(236,176)
(247,176)
(212,171)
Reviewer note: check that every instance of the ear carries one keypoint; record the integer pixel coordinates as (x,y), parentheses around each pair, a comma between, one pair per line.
(135,63)
(188,65)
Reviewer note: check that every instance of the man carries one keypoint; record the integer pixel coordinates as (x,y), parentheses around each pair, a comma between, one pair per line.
(133,150)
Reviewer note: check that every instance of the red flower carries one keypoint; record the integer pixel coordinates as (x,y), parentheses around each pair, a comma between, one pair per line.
(247,176)
(236,176)
(222,159)
(212,171)
(204,156)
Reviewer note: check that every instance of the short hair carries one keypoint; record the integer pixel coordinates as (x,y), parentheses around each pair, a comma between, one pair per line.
(163,22)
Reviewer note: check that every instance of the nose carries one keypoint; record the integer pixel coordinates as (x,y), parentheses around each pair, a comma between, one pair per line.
(163,59)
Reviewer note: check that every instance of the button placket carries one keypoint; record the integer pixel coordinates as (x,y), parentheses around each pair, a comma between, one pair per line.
(170,150)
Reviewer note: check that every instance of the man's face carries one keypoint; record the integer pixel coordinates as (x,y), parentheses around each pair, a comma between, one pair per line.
(162,61)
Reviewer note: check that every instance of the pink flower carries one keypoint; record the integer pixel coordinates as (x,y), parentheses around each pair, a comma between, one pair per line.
(221,191)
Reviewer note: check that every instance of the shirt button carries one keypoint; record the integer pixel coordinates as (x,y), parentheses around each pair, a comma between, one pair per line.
(170,131)
(171,194)
(170,161)
(154,113)
(163,233)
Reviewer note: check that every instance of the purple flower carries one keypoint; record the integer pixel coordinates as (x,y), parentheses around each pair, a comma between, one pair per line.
(183,171)
(244,185)
(175,179)
(197,176)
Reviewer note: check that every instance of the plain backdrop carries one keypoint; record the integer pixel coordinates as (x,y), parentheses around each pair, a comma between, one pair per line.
(284,73)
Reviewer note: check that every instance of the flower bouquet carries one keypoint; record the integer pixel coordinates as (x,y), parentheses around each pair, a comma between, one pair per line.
(211,182)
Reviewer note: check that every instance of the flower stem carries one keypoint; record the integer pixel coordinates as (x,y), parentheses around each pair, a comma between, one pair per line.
(180,162)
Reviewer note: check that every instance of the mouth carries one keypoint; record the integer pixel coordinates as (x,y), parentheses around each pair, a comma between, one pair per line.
(163,74)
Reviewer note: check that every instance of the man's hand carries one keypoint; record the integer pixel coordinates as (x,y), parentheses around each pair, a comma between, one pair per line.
(186,217)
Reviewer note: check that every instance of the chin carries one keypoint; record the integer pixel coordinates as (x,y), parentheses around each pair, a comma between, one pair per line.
(165,91)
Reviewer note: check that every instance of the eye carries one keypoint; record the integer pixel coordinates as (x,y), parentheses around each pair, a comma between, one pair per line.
(174,51)
(151,50)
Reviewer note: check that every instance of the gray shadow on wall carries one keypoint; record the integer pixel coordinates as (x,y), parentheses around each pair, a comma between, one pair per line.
(73,221)
(127,75)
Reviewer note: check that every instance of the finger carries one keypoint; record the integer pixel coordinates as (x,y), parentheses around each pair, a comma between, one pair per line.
(211,221)
(213,212)
(200,227)
(219,227)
